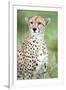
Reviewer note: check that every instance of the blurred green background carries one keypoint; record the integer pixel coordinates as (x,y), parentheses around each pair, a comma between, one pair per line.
(51,39)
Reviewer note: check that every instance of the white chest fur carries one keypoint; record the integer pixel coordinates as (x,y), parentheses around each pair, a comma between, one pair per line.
(40,52)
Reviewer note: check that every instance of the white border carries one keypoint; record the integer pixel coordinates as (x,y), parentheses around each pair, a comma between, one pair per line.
(13,44)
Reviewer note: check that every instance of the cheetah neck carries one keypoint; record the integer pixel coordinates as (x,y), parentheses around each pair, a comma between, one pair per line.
(38,37)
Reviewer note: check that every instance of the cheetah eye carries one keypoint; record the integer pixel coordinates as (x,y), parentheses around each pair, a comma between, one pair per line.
(39,23)
(31,22)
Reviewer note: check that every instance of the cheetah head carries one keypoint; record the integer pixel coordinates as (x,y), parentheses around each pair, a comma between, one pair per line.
(37,24)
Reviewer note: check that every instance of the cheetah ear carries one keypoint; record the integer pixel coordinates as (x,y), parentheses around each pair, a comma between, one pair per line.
(47,21)
(26,19)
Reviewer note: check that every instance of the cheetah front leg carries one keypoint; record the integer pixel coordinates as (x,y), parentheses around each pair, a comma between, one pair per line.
(42,62)
(45,64)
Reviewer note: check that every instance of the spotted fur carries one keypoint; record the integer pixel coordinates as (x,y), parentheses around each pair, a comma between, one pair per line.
(32,57)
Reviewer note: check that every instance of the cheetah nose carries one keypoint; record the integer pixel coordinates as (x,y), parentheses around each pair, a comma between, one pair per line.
(34,29)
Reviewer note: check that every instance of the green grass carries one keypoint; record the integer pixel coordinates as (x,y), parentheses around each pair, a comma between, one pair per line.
(50,36)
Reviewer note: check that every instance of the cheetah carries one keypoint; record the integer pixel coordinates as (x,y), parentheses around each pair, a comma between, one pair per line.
(32,57)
